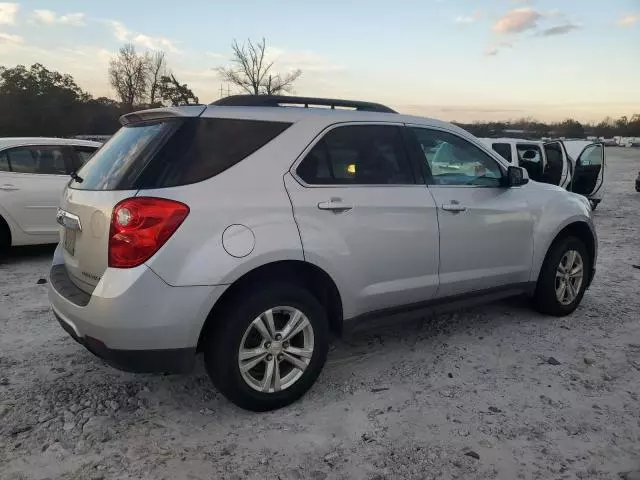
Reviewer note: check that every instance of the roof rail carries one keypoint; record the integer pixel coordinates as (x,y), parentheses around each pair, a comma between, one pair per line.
(285,100)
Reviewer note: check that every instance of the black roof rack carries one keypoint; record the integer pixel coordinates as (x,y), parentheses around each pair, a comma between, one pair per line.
(280,100)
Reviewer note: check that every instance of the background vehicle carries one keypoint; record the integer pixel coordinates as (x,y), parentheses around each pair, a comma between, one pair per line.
(558,162)
(249,231)
(33,173)
(588,164)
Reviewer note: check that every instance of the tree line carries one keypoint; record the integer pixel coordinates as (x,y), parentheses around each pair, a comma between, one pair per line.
(570,128)
(36,101)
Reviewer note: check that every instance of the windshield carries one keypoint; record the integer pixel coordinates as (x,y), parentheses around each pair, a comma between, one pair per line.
(118,163)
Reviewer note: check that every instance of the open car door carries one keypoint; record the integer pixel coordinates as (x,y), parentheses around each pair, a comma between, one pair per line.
(557,170)
(588,174)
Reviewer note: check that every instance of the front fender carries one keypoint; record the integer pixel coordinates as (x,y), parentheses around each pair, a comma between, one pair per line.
(557,212)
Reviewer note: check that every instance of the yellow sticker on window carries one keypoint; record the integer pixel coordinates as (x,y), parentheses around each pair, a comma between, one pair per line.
(351,168)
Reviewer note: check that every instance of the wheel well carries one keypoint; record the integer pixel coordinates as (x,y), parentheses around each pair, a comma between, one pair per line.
(583,232)
(580,230)
(313,278)
(5,232)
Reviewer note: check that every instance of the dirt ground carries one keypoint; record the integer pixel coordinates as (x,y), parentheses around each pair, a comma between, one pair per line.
(464,395)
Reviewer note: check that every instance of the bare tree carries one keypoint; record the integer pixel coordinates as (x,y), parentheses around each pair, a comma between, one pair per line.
(128,75)
(157,64)
(252,72)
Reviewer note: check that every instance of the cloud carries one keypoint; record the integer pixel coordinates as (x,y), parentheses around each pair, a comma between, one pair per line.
(517,21)
(8,12)
(120,31)
(559,30)
(6,37)
(496,48)
(466,19)
(49,17)
(123,34)
(305,60)
(628,20)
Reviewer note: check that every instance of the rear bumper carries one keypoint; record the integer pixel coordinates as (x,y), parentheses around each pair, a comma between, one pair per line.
(133,319)
(179,360)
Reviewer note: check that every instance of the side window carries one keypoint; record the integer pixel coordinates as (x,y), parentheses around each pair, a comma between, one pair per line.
(455,161)
(38,159)
(4,162)
(358,155)
(592,155)
(83,154)
(504,149)
(530,157)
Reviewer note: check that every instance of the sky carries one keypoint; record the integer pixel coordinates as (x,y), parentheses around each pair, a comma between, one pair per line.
(464,60)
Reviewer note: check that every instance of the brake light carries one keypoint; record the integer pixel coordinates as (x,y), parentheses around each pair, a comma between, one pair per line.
(140,226)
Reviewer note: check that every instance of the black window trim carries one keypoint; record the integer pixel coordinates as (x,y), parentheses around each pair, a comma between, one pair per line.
(66,149)
(418,179)
(481,146)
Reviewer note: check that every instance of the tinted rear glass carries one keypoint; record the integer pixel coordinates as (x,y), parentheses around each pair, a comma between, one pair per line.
(116,165)
(175,152)
(504,149)
(204,147)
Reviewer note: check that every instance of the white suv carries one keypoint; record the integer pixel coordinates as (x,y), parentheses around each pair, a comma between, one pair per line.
(249,229)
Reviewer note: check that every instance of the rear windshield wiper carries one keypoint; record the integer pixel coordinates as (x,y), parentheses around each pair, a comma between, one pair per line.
(77,177)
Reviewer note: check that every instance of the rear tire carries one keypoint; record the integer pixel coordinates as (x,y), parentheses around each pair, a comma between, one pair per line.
(246,328)
(5,237)
(559,269)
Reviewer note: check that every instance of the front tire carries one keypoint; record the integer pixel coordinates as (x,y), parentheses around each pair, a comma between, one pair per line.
(268,348)
(563,278)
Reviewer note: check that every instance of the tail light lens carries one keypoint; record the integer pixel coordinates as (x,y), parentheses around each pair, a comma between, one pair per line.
(140,226)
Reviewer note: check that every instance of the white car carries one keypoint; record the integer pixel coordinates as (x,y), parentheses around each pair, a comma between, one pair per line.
(249,229)
(33,174)
(575,165)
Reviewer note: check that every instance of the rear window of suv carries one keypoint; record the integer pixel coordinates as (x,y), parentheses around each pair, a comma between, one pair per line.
(174,152)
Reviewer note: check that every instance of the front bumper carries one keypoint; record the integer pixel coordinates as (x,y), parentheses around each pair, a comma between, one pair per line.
(133,319)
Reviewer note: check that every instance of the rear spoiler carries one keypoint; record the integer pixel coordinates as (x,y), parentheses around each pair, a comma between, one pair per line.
(162,113)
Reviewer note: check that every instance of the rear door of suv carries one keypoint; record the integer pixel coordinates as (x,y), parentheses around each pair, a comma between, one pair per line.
(365,216)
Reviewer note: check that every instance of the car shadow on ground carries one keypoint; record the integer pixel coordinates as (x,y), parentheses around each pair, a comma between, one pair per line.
(193,392)
(33,252)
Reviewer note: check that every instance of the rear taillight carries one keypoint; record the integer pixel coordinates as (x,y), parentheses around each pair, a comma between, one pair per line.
(140,226)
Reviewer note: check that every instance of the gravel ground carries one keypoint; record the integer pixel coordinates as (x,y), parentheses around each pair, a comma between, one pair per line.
(471,394)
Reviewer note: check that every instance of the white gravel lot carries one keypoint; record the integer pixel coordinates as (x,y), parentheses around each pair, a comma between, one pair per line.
(412,401)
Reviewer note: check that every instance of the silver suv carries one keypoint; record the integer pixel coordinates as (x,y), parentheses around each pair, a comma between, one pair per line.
(250,229)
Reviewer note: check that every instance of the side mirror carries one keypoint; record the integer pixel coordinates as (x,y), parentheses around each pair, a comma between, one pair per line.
(517,176)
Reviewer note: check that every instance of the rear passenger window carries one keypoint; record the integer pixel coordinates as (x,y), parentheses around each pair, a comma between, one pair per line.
(504,149)
(358,155)
(530,157)
(38,159)
(83,155)
(202,148)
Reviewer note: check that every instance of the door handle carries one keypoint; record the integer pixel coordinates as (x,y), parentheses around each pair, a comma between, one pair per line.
(454,207)
(7,187)
(335,205)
